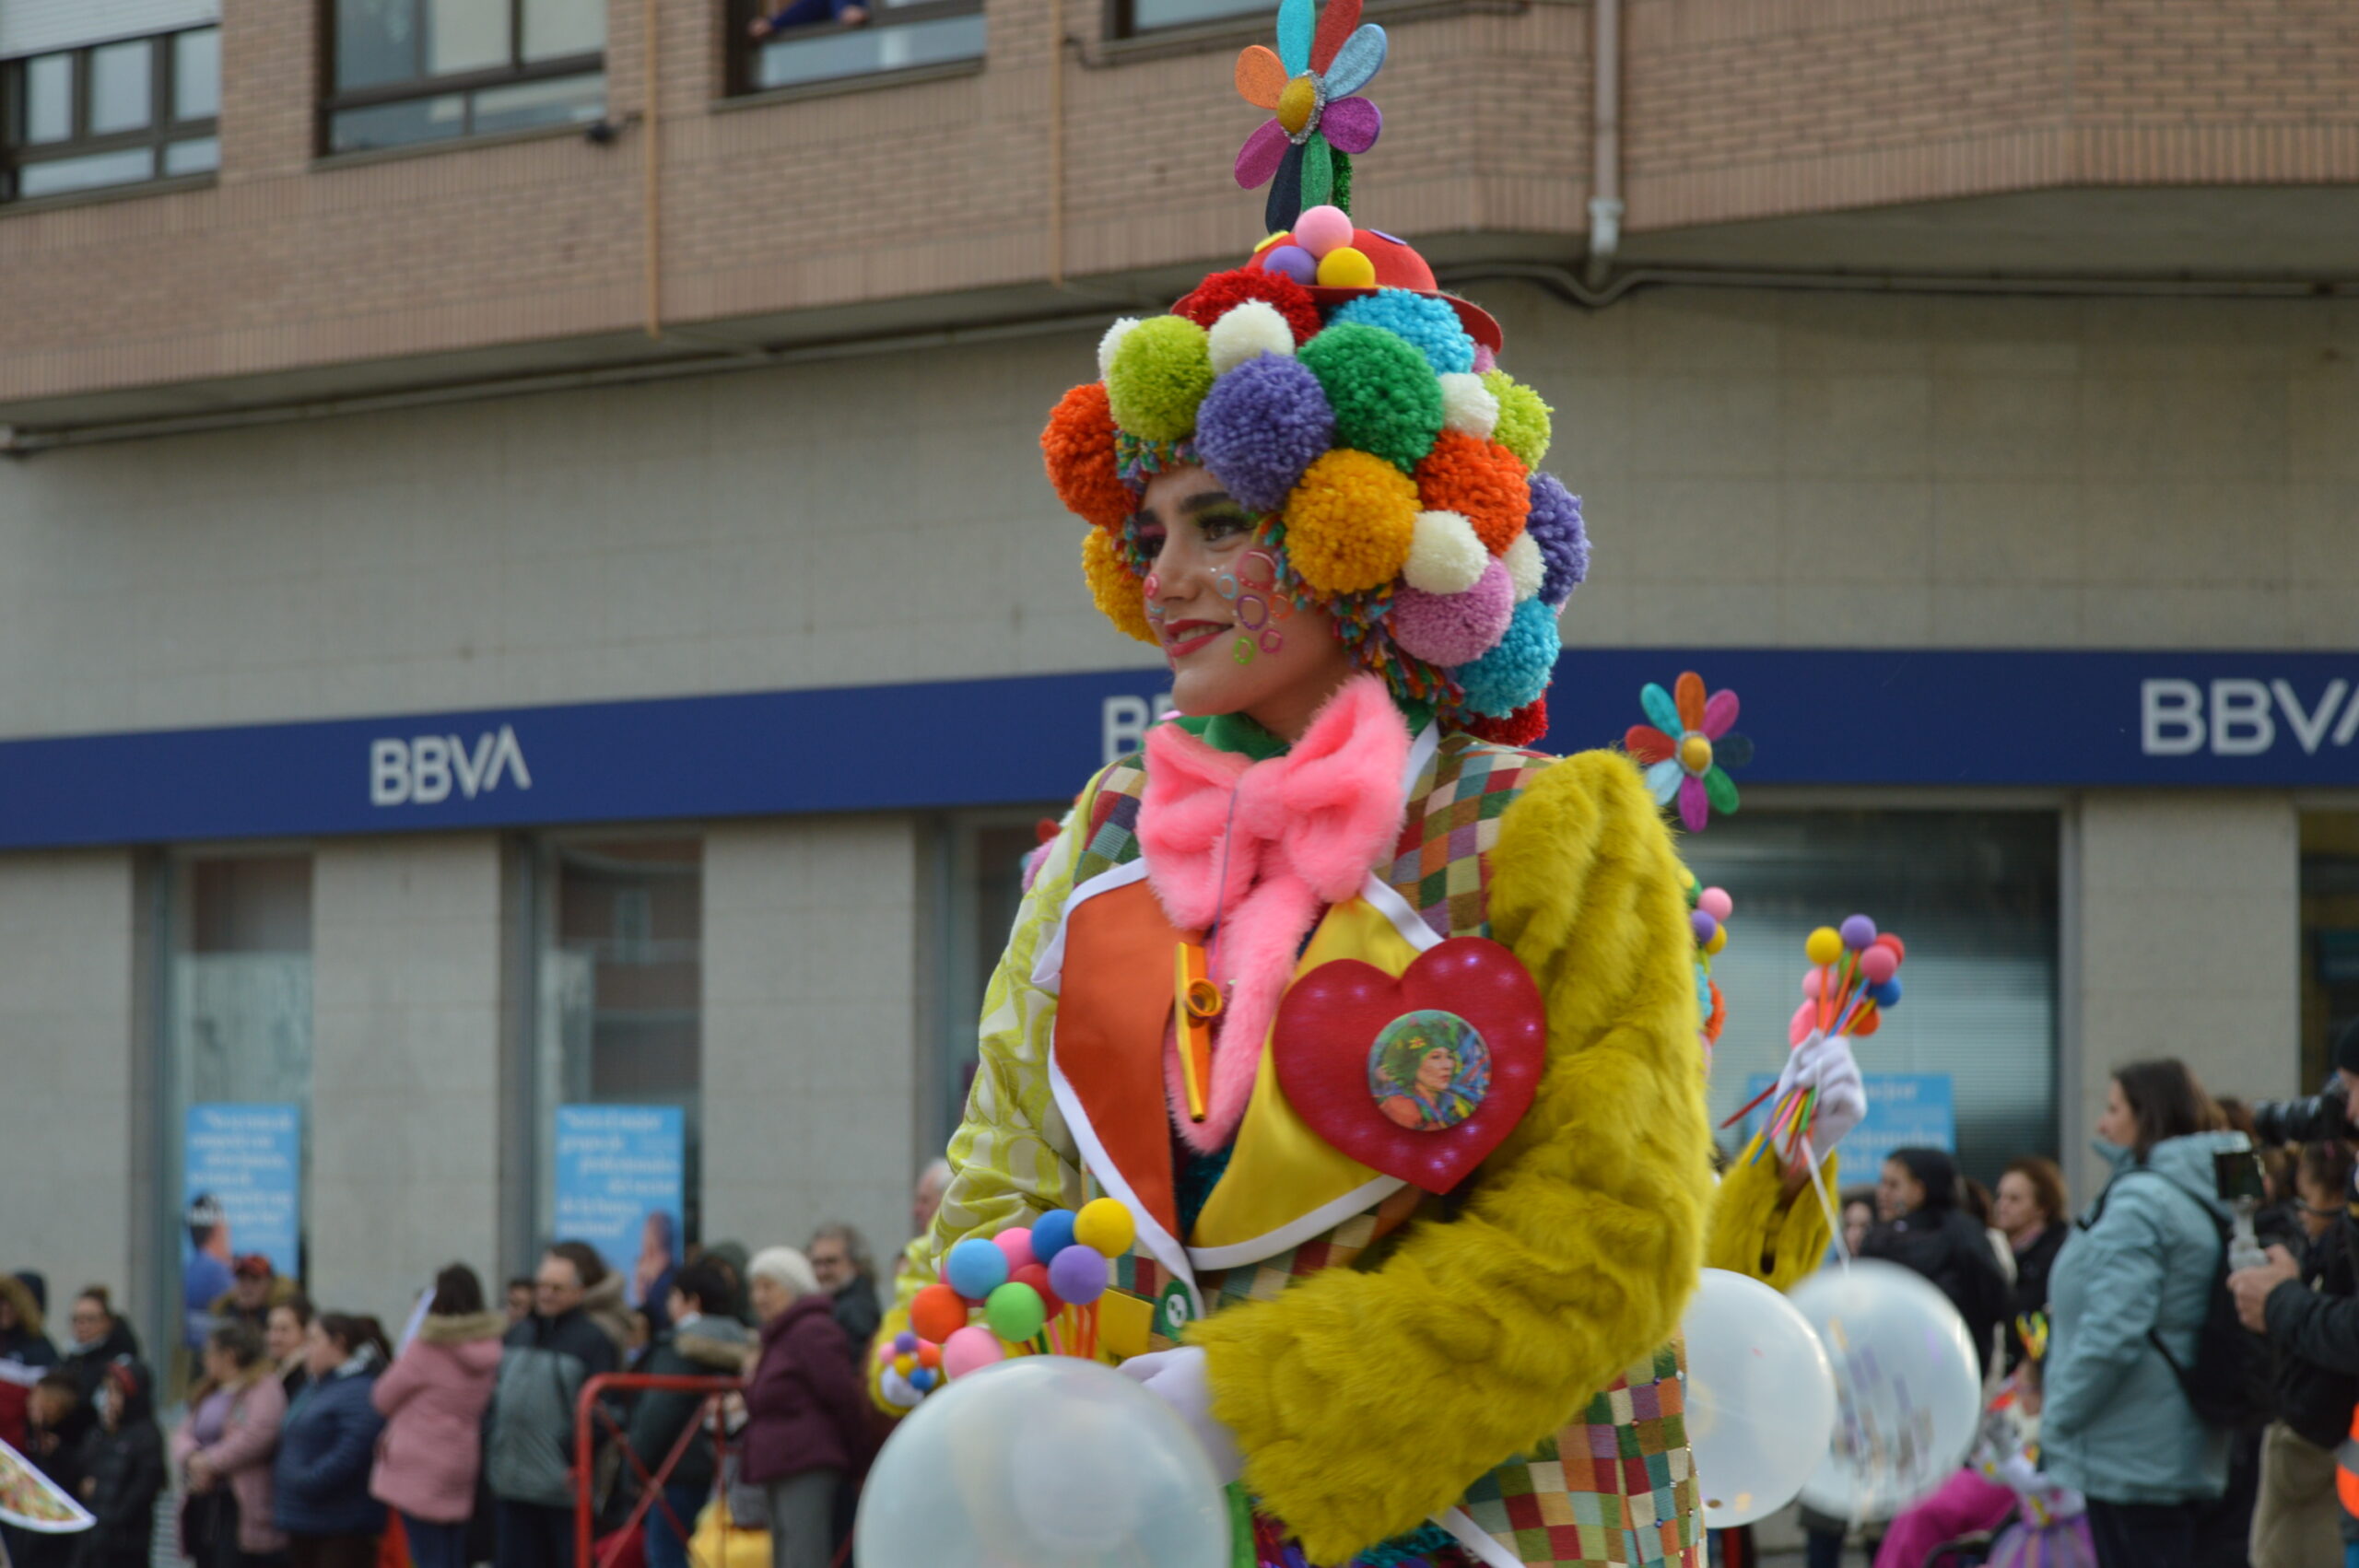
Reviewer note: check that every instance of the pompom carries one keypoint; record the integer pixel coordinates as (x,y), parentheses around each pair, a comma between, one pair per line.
(1346,266)
(1121,597)
(1554,524)
(1112,341)
(1481,481)
(1261,426)
(1467,404)
(1249,331)
(1444,556)
(1517,671)
(1428,322)
(1385,397)
(1524,428)
(1453,628)
(1527,568)
(1527,726)
(1162,370)
(1349,522)
(1323,228)
(1078,448)
(1224,291)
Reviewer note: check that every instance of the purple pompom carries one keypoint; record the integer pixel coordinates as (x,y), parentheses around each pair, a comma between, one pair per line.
(1261,426)
(1555,526)
(1454,628)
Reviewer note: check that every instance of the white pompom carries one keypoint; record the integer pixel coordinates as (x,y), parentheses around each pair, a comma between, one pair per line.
(1527,568)
(1113,340)
(1467,404)
(1445,555)
(1245,330)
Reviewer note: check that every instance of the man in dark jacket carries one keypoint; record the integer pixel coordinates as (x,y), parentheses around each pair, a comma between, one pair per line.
(126,1472)
(839,1262)
(529,1460)
(704,1340)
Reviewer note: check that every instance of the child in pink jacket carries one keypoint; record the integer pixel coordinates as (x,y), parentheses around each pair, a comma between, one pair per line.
(433,1398)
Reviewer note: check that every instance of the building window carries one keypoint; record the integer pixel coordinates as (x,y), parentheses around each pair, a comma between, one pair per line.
(1974,893)
(804,41)
(237,1076)
(979,882)
(118,113)
(1128,19)
(2329,938)
(618,1049)
(402,72)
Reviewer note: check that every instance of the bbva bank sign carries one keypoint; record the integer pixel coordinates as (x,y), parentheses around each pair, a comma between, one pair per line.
(423,770)
(2243,716)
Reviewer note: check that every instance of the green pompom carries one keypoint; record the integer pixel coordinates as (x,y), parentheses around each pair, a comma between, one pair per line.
(1386,397)
(1524,429)
(1161,372)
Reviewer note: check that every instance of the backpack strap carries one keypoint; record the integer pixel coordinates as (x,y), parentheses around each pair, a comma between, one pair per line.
(2220,1226)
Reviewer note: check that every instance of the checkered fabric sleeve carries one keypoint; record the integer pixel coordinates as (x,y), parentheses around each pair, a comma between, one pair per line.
(1440,866)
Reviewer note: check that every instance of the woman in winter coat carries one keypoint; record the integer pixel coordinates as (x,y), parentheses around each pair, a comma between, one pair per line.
(433,1400)
(806,1426)
(2133,1280)
(325,1448)
(223,1454)
(1924,1230)
(100,1338)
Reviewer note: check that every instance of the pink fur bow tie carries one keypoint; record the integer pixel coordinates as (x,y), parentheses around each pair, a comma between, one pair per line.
(1254,851)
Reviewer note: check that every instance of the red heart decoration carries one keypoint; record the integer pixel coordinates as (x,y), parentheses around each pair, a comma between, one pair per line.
(1330,1018)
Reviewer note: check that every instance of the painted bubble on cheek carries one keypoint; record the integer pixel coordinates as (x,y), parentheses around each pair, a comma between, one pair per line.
(1251,585)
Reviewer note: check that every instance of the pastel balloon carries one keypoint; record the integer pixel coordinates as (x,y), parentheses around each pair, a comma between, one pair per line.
(1899,948)
(1051,1234)
(937,1311)
(1813,982)
(1760,1397)
(1701,922)
(1016,1244)
(970,1349)
(1037,1276)
(1715,902)
(975,1268)
(1908,1389)
(1322,229)
(1078,1274)
(1805,1019)
(1877,964)
(1858,932)
(1105,1224)
(1824,946)
(1015,1312)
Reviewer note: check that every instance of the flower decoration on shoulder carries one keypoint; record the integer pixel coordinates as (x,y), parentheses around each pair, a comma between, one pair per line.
(1688,749)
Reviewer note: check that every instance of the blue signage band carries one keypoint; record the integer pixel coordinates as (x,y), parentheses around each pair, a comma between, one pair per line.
(1876,717)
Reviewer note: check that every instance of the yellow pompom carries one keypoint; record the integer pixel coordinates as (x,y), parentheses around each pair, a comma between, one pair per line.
(1720,939)
(1346,266)
(1121,597)
(1104,1224)
(1694,754)
(905,1364)
(1350,522)
(1824,946)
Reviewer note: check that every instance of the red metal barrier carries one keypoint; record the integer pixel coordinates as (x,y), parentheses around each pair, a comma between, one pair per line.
(587,1410)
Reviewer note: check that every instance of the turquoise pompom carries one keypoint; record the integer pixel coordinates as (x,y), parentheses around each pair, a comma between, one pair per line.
(1425,321)
(1517,671)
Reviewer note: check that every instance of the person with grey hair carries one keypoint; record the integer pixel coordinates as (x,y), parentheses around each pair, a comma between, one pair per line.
(926,1201)
(839,1262)
(807,1414)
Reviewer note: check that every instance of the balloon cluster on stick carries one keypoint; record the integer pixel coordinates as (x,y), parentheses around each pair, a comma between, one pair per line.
(1853,980)
(1037,1288)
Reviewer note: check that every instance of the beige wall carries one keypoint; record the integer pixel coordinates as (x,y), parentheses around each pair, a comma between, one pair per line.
(405,1123)
(811,1029)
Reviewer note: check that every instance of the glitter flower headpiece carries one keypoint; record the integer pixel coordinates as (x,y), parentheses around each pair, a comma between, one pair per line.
(1332,388)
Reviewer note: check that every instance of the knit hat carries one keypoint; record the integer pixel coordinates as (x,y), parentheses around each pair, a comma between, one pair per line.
(1333,389)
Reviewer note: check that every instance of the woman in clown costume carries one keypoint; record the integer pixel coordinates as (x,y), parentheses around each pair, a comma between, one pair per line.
(1313,488)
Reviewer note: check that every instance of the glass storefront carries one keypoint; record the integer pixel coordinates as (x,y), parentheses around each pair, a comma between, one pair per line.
(2330,937)
(1973,894)
(979,884)
(236,1018)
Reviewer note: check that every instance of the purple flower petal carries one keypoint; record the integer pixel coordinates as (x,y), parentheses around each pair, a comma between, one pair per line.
(1719,715)
(1351,123)
(1263,152)
(1694,804)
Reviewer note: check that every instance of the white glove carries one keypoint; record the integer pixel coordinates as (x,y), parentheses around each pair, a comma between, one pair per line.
(1825,1062)
(1177,1377)
(899,1391)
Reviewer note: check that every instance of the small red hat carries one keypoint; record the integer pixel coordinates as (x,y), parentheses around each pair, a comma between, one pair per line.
(1397,265)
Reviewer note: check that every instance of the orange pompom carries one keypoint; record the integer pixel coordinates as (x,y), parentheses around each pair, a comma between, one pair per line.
(1079,447)
(1119,596)
(1480,480)
(936,1313)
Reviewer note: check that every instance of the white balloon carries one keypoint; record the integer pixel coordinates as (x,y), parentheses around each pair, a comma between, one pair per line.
(1043,1462)
(1760,1397)
(1907,1387)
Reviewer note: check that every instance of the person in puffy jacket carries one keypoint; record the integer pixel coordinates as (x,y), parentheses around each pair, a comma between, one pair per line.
(544,1362)
(2134,1280)
(703,1340)
(807,1413)
(326,1446)
(1923,1230)
(433,1398)
(224,1453)
(127,1470)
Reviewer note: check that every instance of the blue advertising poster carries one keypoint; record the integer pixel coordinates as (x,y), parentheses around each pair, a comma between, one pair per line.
(1906,1110)
(242,1182)
(621,1181)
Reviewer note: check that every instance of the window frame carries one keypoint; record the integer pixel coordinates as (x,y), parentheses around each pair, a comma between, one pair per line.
(742,53)
(1122,26)
(463,85)
(161,131)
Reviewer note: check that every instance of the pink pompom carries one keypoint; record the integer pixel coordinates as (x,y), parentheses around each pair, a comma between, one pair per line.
(1805,1019)
(1715,902)
(1018,1244)
(1812,982)
(1455,628)
(1322,229)
(1485,359)
(1878,963)
(971,1347)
